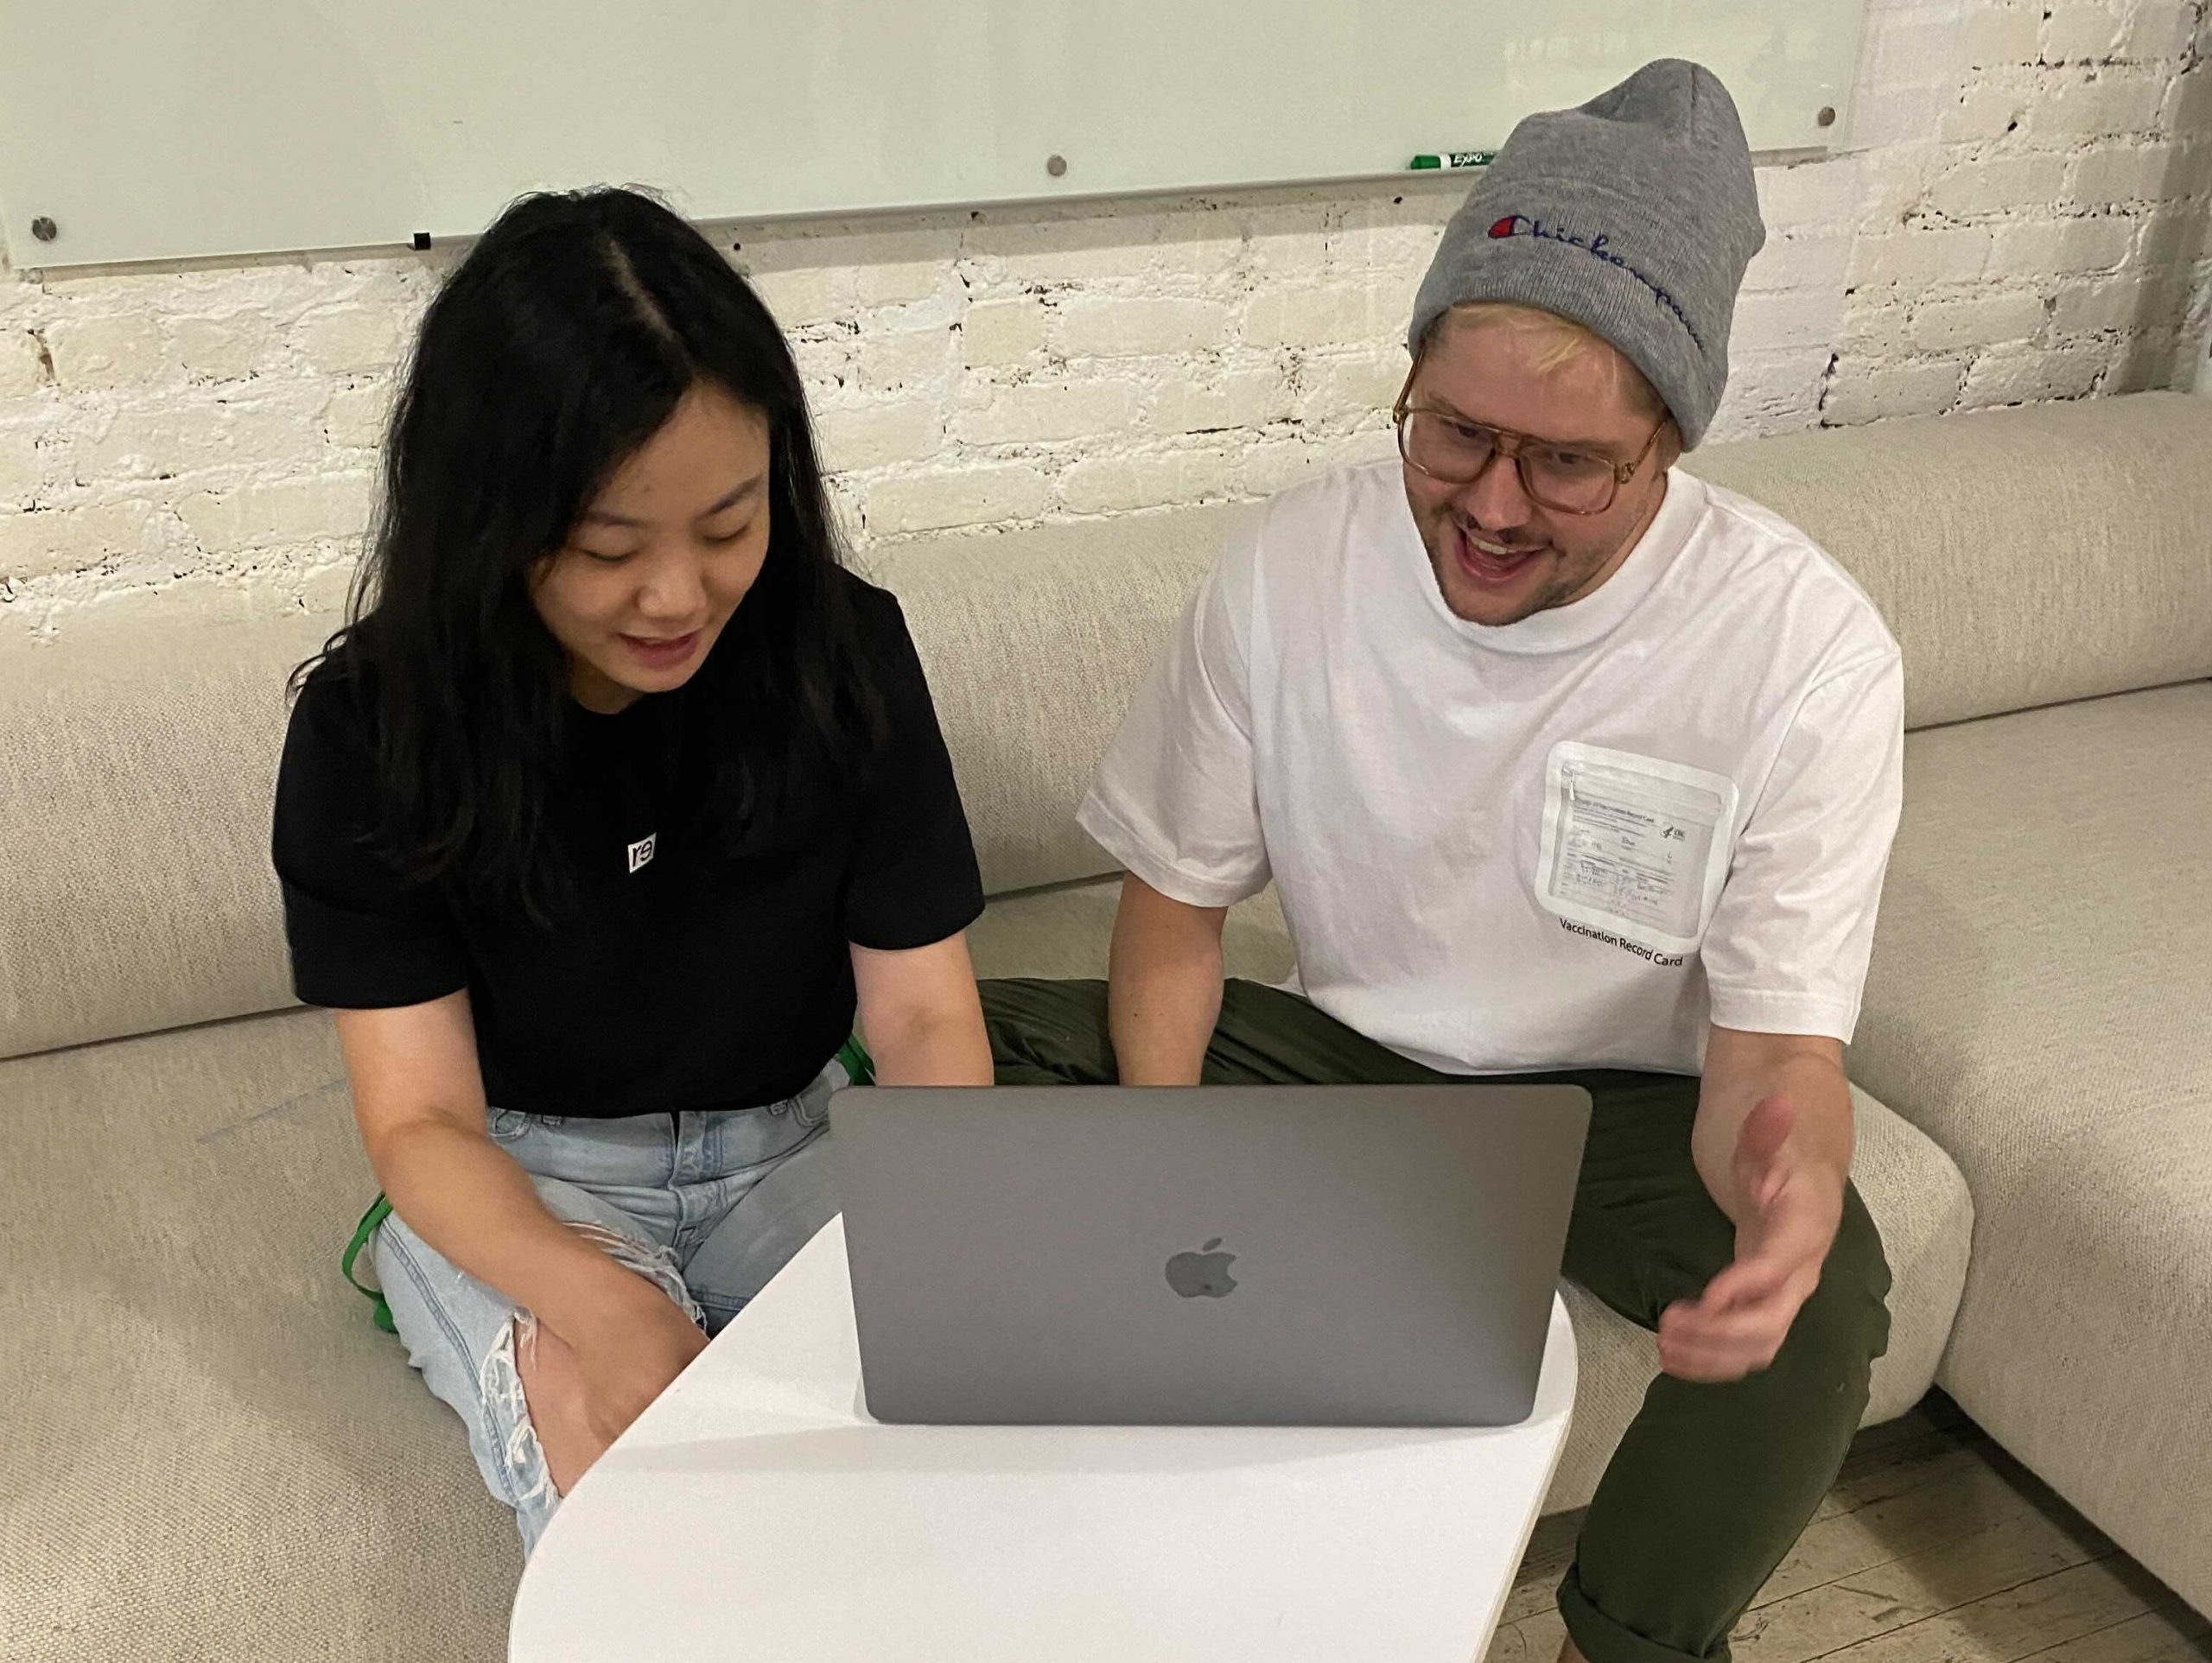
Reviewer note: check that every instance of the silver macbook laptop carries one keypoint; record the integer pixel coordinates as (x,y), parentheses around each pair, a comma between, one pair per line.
(1302,1255)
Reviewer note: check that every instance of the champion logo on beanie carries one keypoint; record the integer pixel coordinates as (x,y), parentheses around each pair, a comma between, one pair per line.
(1520,224)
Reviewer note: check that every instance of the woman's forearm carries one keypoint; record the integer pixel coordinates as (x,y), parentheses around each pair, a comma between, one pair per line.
(469,1199)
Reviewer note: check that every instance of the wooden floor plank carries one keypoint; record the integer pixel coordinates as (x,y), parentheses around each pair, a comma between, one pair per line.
(1895,1470)
(1984,1562)
(2016,1623)
(1539,1636)
(1969,1492)
(1954,1495)
(1506,1646)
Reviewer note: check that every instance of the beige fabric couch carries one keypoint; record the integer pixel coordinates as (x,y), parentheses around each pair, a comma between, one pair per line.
(211,1454)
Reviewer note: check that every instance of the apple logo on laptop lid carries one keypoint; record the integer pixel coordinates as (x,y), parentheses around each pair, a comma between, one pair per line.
(1203,1274)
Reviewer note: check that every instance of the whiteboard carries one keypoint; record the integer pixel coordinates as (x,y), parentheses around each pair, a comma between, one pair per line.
(159,130)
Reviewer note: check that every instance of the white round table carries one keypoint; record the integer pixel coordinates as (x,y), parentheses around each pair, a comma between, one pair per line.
(755,1512)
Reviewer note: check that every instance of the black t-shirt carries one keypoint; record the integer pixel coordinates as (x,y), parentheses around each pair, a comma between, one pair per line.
(679,976)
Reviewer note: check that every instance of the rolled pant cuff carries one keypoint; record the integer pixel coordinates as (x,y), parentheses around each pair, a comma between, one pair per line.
(1603,1640)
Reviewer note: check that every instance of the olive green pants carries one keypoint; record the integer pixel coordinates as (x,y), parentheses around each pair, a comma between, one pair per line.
(1711,1484)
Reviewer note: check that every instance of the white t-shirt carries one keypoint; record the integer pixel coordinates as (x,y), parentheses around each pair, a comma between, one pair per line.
(1570,841)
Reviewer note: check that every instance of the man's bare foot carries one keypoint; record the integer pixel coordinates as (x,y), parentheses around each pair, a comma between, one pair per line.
(1570,1652)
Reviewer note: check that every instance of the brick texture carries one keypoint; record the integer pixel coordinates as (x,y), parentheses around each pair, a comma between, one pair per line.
(2017,209)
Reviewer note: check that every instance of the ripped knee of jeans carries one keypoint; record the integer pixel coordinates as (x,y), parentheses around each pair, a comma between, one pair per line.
(498,1379)
(499,1375)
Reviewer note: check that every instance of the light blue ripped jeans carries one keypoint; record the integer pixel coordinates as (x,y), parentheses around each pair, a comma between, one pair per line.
(708,1205)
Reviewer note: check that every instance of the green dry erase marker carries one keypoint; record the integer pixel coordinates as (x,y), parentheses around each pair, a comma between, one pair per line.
(1455,159)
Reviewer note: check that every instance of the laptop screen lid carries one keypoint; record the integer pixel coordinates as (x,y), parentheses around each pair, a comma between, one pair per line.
(1308,1255)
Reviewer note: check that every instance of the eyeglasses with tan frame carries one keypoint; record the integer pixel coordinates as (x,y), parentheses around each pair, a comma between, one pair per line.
(1452,450)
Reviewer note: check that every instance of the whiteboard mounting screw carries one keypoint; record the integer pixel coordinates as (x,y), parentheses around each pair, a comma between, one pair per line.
(1056,165)
(1826,117)
(44,229)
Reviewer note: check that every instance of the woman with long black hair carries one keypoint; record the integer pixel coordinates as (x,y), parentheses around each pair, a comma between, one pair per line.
(614,802)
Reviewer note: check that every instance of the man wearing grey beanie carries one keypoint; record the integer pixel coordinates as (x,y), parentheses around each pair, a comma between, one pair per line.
(1566,766)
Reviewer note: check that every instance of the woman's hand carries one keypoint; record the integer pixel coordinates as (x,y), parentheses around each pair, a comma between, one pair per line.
(583,1390)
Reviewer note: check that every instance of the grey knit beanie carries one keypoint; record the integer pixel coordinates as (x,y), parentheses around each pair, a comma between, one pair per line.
(1634,215)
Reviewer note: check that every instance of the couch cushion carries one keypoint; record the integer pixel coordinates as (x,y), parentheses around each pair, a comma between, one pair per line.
(1065,932)
(1034,642)
(2040,1002)
(2021,556)
(1915,1195)
(136,774)
(211,1453)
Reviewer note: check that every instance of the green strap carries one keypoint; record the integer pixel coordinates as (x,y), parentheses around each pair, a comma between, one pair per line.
(380,1209)
(860,1068)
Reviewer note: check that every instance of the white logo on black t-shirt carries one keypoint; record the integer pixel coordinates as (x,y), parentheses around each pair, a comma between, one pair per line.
(641,852)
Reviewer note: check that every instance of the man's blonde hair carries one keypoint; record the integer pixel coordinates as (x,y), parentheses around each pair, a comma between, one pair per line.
(1557,341)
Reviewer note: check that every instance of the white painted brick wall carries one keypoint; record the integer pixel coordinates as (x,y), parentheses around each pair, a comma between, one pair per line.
(69,540)
(2075,34)
(103,351)
(1108,326)
(998,493)
(1951,325)
(2017,210)
(1228,401)
(1365,380)
(1039,412)
(1115,485)
(998,331)
(857,437)
(1860,392)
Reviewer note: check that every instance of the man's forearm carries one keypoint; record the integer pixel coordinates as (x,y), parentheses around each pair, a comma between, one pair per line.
(1741,1069)
(1163,986)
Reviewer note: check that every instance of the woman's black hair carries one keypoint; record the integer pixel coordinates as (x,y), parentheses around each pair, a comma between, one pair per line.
(558,346)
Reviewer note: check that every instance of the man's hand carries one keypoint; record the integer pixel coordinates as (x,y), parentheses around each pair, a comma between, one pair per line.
(1789,1208)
